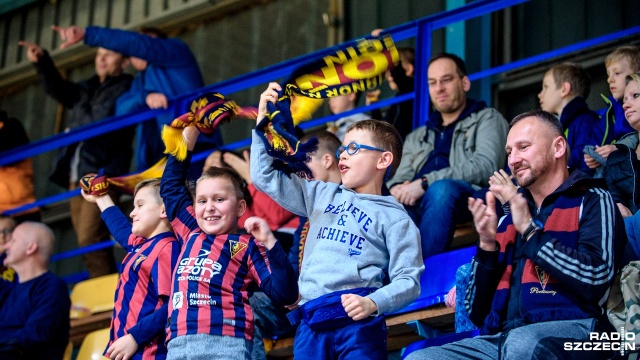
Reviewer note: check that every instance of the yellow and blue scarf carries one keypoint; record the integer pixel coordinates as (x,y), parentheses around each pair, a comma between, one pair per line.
(354,66)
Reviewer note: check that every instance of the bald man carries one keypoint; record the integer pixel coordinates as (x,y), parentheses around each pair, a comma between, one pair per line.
(34,316)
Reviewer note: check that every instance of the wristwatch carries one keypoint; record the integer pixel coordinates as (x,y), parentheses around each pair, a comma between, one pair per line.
(534,226)
(425,183)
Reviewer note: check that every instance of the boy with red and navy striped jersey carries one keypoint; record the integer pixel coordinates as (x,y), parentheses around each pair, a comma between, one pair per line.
(209,314)
(142,294)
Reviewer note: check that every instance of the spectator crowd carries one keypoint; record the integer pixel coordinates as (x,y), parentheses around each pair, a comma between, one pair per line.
(248,251)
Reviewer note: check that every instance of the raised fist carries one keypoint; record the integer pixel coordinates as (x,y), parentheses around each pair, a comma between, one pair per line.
(94,185)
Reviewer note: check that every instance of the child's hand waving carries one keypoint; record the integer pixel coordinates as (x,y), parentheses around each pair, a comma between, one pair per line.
(259,229)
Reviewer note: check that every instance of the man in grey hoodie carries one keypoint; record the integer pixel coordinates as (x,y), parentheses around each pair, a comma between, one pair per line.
(356,237)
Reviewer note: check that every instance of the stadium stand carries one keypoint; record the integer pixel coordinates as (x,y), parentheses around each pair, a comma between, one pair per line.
(422,319)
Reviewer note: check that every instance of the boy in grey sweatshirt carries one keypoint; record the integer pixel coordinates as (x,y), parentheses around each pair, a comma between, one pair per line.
(356,237)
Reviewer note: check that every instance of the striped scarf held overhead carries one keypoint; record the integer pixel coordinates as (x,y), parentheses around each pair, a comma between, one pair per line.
(355,66)
(125,184)
(542,297)
(206,113)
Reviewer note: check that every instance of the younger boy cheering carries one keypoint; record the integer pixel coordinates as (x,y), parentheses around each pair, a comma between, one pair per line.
(141,298)
(356,237)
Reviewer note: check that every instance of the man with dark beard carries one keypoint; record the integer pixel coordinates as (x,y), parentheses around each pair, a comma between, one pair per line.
(540,277)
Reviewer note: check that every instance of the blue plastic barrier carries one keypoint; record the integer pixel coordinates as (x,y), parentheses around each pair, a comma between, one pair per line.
(439,277)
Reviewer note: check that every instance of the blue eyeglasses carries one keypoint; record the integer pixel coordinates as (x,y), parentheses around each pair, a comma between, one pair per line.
(353,148)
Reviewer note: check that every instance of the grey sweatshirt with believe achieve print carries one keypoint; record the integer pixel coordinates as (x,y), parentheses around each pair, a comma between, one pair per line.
(353,238)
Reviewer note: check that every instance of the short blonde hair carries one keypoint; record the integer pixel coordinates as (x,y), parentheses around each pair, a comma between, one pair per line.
(154,183)
(629,52)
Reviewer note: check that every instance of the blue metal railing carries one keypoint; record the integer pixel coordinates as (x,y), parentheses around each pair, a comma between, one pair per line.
(420,29)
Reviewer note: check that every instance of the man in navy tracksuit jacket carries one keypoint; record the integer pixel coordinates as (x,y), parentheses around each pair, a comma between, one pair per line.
(541,275)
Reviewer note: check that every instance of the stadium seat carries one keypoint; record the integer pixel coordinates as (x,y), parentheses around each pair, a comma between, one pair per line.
(93,345)
(439,277)
(93,296)
(68,351)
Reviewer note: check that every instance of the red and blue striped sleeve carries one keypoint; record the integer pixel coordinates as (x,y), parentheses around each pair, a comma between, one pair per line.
(152,325)
(273,272)
(177,200)
(120,227)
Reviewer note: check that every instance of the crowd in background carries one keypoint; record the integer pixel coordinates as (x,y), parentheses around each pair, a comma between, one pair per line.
(565,177)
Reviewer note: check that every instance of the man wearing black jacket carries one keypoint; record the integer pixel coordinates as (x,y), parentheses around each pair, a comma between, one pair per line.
(87,101)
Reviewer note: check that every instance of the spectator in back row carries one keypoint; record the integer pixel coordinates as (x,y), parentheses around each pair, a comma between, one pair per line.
(34,317)
(89,100)
(16,180)
(8,277)
(540,277)
(448,159)
(623,61)
(565,87)
(400,80)
(166,68)
(622,170)
(340,104)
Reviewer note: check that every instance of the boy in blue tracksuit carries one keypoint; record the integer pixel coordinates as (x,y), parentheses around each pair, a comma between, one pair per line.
(355,237)
(623,61)
(565,87)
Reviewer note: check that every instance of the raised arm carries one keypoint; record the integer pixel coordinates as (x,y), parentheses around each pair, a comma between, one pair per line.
(117,223)
(65,92)
(166,52)
(290,192)
(177,200)
(485,268)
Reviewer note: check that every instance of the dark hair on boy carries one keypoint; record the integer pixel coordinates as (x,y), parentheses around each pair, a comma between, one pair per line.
(575,75)
(155,183)
(629,52)
(461,67)
(229,174)
(384,136)
(551,122)
(328,143)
